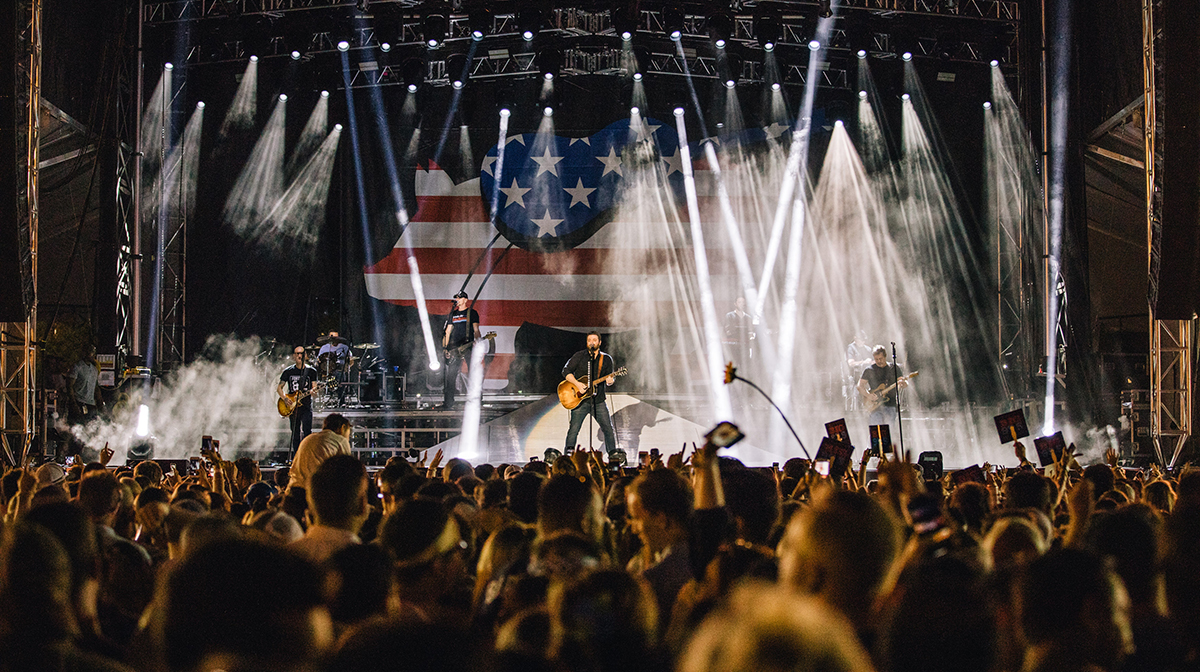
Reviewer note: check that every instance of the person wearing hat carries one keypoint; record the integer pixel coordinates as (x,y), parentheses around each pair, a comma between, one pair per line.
(462,327)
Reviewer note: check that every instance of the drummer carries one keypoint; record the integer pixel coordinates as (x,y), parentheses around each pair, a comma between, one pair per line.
(334,359)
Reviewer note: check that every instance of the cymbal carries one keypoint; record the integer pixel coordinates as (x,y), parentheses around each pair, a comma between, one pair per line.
(366,346)
(335,340)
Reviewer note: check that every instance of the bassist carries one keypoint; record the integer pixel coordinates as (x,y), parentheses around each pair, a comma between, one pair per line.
(591,365)
(462,327)
(881,373)
(296,380)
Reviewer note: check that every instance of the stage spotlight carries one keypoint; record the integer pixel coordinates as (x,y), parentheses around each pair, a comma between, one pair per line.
(672,18)
(905,97)
(200,105)
(862,95)
(987,105)
(413,71)
(730,83)
(814,45)
(824,9)
(504,112)
(862,53)
(625,20)
(907,56)
(457,70)
(637,76)
(435,30)
(838,123)
(434,365)
(337,127)
(480,20)
(343,46)
(995,63)
(529,22)
(549,62)
(254,59)
(720,27)
(143,421)
(283,97)
(385,46)
(324,94)
(767,29)
(679,112)
(168,66)
(776,86)
(548,111)
(634,111)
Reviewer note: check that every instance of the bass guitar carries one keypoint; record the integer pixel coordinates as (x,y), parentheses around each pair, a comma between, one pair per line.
(460,350)
(570,396)
(881,393)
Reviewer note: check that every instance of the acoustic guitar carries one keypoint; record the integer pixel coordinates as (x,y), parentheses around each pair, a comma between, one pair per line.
(570,396)
(881,393)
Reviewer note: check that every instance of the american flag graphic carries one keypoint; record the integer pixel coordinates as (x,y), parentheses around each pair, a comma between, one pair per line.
(560,253)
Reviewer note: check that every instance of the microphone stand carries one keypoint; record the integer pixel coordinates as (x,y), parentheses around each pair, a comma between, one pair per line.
(592,419)
(896,382)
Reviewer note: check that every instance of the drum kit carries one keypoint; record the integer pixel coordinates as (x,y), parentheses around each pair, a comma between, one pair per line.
(340,368)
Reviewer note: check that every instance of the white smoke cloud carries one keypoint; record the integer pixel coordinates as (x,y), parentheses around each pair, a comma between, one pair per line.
(229,393)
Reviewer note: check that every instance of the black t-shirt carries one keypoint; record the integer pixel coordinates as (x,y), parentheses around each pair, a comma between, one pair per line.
(578,367)
(875,375)
(462,326)
(296,379)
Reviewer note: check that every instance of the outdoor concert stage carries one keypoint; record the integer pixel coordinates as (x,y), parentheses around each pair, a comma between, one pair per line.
(517,427)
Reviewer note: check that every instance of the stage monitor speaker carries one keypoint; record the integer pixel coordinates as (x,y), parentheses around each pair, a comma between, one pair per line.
(1178,296)
(13,288)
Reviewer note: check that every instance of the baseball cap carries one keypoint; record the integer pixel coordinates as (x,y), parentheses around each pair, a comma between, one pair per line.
(460,295)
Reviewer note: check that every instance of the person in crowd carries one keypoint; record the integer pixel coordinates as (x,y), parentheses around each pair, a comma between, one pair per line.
(337,503)
(659,505)
(1074,613)
(840,550)
(762,628)
(333,439)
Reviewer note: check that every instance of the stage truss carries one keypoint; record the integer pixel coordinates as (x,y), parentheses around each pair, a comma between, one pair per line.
(18,340)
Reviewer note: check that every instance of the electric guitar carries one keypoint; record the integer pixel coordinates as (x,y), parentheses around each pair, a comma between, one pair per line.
(570,396)
(460,350)
(287,404)
(881,393)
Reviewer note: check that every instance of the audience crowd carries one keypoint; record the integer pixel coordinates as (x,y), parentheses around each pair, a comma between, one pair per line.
(694,563)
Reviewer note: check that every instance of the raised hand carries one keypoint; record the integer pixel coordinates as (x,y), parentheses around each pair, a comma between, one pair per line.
(106,454)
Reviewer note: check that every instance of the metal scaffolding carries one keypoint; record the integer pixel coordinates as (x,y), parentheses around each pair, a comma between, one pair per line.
(1171,341)
(18,340)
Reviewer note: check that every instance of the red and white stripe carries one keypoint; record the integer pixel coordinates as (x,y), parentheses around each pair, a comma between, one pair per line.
(606,283)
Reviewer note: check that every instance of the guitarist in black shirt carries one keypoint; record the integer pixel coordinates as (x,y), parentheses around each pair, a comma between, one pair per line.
(299,382)
(462,327)
(591,365)
(876,377)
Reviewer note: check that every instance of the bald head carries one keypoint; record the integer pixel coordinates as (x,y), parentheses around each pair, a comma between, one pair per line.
(840,549)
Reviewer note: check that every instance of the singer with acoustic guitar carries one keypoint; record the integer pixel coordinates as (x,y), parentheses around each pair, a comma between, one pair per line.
(877,381)
(296,386)
(589,372)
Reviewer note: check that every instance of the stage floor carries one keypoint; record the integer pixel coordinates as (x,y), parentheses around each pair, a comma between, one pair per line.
(514,428)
